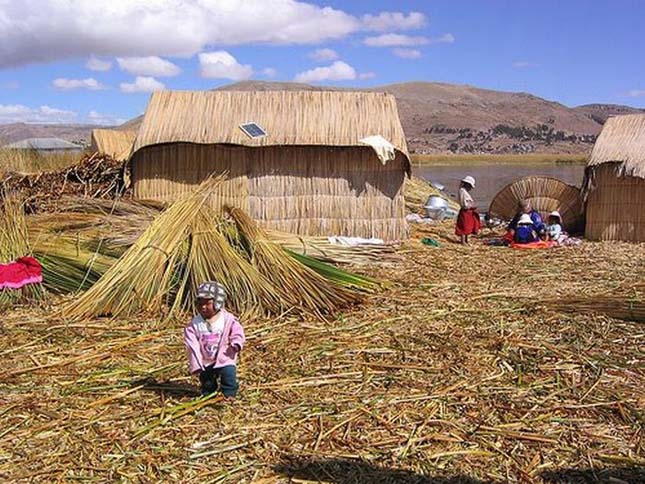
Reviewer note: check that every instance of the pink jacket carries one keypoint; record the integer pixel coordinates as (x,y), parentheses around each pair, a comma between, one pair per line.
(226,355)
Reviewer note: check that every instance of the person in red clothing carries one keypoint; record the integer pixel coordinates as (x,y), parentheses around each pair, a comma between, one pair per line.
(468,221)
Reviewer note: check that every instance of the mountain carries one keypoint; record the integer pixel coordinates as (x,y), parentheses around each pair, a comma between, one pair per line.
(438,118)
(600,112)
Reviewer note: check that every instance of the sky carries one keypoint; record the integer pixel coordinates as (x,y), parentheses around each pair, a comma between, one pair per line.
(97,61)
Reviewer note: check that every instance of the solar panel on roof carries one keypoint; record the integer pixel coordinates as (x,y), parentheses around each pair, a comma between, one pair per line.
(253,130)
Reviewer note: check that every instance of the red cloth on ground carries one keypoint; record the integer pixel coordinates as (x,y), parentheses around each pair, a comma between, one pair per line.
(508,237)
(25,270)
(540,244)
(468,222)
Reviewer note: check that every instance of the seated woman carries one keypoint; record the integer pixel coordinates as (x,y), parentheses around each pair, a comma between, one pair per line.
(525,208)
(525,232)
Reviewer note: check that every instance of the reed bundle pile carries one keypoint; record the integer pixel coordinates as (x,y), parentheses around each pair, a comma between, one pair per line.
(191,242)
(94,176)
(416,191)
(453,375)
(110,227)
(14,243)
(626,303)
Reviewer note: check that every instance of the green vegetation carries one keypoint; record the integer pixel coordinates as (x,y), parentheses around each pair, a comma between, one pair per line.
(455,159)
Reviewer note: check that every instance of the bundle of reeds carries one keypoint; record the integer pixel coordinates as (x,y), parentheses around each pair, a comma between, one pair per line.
(112,226)
(417,190)
(14,243)
(191,242)
(296,284)
(627,304)
(144,278)
(320,248)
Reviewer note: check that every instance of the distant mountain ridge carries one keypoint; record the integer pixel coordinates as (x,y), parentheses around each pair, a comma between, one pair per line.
(438,118)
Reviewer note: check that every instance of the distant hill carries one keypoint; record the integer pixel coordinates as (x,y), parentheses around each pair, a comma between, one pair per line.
(438,118)
(600,112)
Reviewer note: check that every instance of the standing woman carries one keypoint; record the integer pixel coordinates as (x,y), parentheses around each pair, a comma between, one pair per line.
(468,221)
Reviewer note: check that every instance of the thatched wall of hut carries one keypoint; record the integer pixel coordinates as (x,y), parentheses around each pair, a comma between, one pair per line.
(116,144)
(614,186)
(615,206)
(344,191)
(310,175)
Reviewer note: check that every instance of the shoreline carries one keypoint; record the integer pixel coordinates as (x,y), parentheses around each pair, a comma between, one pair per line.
(463,159)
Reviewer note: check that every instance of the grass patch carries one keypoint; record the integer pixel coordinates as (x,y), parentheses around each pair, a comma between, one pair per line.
(456,159)
(33,161)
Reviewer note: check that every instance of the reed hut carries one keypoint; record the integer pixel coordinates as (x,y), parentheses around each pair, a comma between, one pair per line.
(614,185)
(114,143)
(546,194)
(300,168)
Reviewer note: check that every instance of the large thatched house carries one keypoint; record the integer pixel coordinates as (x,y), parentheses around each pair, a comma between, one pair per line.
(614,186)
(303,171)
(112,142)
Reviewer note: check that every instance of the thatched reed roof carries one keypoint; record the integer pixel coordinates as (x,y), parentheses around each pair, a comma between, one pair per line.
(546,194)
(622,140)
(117,144)
(325,118)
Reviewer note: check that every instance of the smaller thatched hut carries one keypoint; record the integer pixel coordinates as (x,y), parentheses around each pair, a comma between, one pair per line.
(116,144)
(614,186)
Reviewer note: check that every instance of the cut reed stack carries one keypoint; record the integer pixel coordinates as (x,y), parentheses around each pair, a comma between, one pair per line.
(191,242)
(614,185)
(14,243)
(417,190)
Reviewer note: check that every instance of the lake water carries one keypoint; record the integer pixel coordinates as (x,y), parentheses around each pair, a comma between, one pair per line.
(492,177)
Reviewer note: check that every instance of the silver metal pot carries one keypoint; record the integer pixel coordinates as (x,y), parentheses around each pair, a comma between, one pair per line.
(436,207)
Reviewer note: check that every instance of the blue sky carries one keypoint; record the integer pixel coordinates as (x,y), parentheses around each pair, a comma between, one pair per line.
(98,60)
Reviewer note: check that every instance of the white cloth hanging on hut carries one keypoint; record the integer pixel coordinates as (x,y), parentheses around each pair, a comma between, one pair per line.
(383,148)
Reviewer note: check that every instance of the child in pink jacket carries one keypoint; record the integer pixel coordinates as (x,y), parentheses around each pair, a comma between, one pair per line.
(213,339)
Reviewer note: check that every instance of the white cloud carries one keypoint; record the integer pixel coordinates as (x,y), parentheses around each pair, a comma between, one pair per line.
(94,117)
(323,55)
(142,84)
(636,93)
(270,72)
(18,113)
(388,21)
(338,71)
(222,65)
(407,53)
(523,64)
(65,84)
(56,30)
(96,64)
(367,75)
(444,39)
(148,66)
(394,40)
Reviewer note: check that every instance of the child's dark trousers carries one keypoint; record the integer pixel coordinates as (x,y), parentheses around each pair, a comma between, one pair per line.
(224,378)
